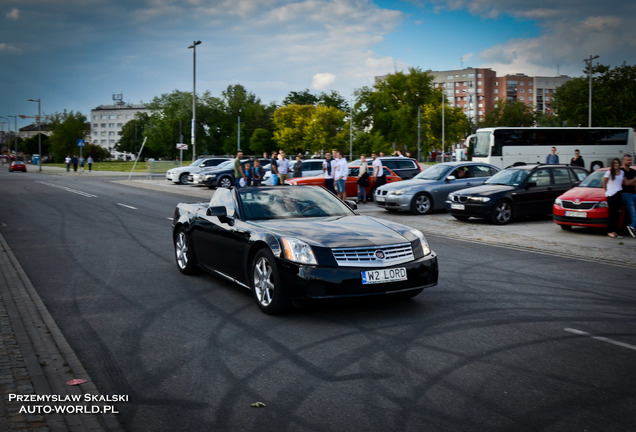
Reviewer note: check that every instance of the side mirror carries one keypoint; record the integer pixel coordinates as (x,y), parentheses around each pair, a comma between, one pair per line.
(450,178)
(352,204)
(220,211)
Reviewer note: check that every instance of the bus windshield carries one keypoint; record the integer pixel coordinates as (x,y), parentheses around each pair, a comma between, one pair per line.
(482,144)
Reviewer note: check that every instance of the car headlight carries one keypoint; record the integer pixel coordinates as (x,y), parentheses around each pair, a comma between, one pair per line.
(425,247)
(602,204)
(298,251)
(479,199)
(398,192)
(558,201)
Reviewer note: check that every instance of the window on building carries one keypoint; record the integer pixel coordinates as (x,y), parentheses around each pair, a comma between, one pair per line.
(103,125)
(496,91)
(529,90)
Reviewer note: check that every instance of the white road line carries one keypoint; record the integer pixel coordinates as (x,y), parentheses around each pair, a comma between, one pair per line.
(127,206)
(68,189)
(601,338)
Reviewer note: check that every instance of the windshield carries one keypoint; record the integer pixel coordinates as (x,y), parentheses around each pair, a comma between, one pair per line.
(435,172)
(197,162)
(594,180)
(482,144)
(223,165)
(290,202)
(508,177)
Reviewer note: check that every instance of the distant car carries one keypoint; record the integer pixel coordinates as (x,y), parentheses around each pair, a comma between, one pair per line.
(428,190)
(180,174)
(310,167)
(285,243)
(520,191)
(404,167)
(585,205)
(351,182)
(17,166)
(221,175)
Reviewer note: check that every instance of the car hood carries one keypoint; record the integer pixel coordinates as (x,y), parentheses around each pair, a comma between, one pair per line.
(343,231)
(409,184)
(584,194)
(486,190)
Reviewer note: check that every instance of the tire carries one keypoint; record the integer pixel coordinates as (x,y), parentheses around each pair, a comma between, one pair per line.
(184,253)
(595,165)
(502,212)
(225,182)
(183,178)
(422,203)
(461,218)
(266,284)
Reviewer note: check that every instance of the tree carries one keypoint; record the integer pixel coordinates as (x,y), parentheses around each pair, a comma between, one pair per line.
(509,113)
(390,107)
(456,124)
(66,129)
(131,134)
(613,98)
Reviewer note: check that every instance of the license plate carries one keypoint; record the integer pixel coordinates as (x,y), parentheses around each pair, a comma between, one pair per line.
(577,214)
(384,275)
(455,206)
(380,199)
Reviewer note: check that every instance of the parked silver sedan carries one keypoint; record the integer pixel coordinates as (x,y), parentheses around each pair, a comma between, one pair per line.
(428,190)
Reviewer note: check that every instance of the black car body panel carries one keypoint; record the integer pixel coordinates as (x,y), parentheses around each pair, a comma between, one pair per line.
(344,245)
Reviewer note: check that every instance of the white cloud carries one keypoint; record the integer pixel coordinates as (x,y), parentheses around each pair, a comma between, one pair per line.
(322,81)
(13,14)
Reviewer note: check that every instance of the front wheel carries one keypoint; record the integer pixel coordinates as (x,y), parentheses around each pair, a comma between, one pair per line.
(422,204)
(266,284)
(502,212)
(183,178)
(183,252)
(225,182)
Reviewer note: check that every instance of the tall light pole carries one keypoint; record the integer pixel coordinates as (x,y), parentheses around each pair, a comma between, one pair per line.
(39,133)
(193,127)
(15,133)
(588,62)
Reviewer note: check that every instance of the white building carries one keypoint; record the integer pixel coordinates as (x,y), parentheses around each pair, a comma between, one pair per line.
(108,120)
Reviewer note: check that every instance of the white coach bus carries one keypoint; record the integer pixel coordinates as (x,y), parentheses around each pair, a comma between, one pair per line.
(508,146)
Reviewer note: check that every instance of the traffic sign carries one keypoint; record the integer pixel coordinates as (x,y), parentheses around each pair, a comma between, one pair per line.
(181,146)
(81,143)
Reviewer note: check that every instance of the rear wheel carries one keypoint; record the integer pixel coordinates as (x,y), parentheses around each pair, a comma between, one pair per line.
(183,252)
(266,284)
(502,212)
(422,204)
(225,182)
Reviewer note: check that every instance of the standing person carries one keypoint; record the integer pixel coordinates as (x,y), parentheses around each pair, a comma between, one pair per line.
(629,193)
(297,171)
(81,163)
(67,161)
(238,170)
(613,185)
(247,170)
(552,158)
(379,177)
(577,159)
(273,163)
(340,175)
(90,163)
(363,179)
(283,167)
(327,168)
(257,173)
(74,162)
(316,155)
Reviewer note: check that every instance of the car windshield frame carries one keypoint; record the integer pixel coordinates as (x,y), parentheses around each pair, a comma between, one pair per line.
(268,203)
(509,177)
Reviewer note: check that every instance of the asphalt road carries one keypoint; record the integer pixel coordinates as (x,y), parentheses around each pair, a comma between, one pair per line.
(510,339)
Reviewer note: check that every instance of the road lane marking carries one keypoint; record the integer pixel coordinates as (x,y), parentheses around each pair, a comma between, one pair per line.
(127,206)
(68,189)
(601,338)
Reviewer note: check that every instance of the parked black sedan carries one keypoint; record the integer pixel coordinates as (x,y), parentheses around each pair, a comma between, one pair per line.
(526,190)
(300,243)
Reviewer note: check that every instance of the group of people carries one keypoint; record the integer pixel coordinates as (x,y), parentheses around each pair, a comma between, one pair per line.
(553,158)
(336,172)
(246,174)
(619,183)
(75,162)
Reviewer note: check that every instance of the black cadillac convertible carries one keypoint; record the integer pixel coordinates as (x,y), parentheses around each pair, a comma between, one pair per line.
(300,242)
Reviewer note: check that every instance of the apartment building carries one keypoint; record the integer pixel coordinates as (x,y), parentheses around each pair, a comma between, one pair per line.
(107,122)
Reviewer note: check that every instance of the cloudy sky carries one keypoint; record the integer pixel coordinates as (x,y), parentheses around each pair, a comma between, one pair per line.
(75,54)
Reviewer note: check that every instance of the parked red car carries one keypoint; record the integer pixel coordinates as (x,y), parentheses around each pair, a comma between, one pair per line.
(17,166)
(584,205)
(351,184)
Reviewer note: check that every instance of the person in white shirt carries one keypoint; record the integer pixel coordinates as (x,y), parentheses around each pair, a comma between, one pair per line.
(378,171)
(613,185)
(340,175)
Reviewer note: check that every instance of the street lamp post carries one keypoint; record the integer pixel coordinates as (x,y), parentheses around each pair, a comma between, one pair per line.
(15,132)
(194,98)
(39,133)
(588,62)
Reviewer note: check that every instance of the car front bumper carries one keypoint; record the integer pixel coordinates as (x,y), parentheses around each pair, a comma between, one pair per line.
(393,202)
(483,211)
(311,282)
